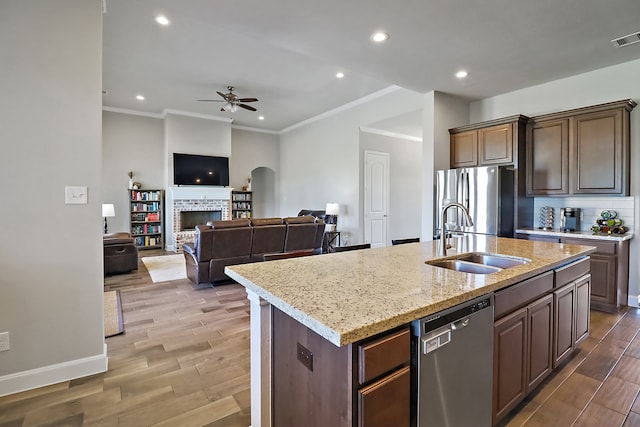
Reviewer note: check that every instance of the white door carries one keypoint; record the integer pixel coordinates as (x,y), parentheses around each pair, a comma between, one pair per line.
(376,198)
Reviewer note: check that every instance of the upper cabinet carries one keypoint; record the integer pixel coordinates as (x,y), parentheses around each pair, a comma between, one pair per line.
(488,143)
(582,151)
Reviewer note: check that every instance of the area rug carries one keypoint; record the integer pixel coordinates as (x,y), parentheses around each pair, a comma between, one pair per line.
(113,324)
(166,267)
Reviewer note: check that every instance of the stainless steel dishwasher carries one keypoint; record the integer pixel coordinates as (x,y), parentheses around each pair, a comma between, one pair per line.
(453,361)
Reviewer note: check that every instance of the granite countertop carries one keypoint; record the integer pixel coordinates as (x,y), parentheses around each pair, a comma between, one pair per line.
(577,234)
(349,296)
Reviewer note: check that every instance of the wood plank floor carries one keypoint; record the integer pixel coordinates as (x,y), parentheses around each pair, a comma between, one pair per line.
(184,361)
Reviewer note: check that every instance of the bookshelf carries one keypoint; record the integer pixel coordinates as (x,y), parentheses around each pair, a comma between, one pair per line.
(146,218)
(241,204)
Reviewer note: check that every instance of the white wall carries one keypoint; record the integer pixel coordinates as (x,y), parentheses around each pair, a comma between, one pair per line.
(441,112)
(319,160)
(596,87)
(130,143)
(51,290)
(250,151)
(405,185)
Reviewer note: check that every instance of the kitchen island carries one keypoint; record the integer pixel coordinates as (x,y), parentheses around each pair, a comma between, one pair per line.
(350,297)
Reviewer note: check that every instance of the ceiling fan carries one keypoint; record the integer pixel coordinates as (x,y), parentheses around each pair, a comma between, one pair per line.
(232,102)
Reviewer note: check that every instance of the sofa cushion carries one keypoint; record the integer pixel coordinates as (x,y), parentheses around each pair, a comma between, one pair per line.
(268,237)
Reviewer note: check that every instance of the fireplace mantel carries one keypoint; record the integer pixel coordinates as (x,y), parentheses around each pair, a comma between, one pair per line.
(196,192)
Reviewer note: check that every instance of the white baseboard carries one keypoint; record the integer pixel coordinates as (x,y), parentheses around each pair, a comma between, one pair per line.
(633,300)
(53,374)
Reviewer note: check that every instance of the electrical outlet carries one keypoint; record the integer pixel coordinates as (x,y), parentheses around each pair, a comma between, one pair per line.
(4,341)
(305,356)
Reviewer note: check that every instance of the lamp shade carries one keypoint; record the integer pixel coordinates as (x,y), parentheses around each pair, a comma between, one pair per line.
(332,209)
(108,210)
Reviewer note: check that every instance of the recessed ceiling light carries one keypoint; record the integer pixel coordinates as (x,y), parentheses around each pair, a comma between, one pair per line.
(260,117)
(340,75)
(462,74)
(162,20)
(140,97)
(379,37)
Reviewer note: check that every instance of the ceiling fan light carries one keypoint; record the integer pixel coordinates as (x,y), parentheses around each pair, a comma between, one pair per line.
(234,108)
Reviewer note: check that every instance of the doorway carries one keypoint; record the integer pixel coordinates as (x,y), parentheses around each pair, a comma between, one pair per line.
(376,198)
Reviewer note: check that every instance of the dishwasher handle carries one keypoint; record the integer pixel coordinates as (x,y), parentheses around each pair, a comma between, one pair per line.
(460,324)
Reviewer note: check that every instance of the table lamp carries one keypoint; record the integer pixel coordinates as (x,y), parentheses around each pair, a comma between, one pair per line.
(331,215)
(107,211)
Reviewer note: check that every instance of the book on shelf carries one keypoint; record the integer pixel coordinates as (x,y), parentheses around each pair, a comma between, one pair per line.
(152,217)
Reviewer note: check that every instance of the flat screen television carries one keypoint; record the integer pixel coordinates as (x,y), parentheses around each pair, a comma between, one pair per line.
(193,169)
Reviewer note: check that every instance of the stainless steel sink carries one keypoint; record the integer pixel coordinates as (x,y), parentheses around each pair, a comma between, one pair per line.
(501,261)
(478,263)
(465,266)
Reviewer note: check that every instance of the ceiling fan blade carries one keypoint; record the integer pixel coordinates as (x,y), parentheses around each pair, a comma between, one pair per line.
(222,95)
(246,107)
(211,100)
(247,100)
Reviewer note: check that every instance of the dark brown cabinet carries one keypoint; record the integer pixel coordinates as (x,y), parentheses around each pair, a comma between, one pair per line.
(548,157)
(581,151)
(538,323)
(609,273)
(509,363)
(564,313)
(522,341)
(494,142)
(315,383)
(464,149)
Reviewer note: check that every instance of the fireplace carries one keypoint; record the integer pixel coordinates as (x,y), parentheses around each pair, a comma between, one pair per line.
(189,219)
(190,206)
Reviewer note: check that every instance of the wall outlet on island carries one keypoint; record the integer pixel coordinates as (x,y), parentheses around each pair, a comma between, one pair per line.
(4,341)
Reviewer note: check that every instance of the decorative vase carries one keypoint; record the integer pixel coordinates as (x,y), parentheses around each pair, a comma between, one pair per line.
(130,183)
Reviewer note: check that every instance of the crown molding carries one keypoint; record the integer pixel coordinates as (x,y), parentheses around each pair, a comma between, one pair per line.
(344,107)
(250,129)
(133,112)
(196,115)
(390,134)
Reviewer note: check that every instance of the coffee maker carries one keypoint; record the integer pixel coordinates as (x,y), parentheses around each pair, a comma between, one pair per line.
(569,219)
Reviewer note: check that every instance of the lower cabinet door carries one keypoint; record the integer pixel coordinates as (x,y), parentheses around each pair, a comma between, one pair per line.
(564,323)
(603,279)
(583,299)
(387,402)
(509,362)
(540,339)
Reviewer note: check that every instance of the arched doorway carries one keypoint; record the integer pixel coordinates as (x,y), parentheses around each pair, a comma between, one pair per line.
(263,185)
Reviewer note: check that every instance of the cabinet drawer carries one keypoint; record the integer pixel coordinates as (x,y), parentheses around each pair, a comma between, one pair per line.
(386,402)
(571,272)
(383,354)
(602,247)
(521,293)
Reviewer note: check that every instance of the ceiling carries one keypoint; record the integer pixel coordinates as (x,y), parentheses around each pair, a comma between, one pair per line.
(286,53)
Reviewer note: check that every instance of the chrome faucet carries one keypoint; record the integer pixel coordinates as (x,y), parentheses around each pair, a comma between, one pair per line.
(468,222)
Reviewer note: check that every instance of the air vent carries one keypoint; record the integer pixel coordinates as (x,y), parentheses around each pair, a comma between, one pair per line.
(626,40)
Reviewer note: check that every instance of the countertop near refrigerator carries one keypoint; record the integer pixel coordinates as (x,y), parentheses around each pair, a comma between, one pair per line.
(349,296)
(577,234)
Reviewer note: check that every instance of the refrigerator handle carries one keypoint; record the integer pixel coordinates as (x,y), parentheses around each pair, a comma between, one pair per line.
(467,191)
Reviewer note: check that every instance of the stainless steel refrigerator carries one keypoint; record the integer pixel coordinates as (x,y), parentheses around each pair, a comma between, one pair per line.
(488,194)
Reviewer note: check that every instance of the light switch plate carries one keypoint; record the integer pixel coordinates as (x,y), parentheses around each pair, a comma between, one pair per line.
(75,195)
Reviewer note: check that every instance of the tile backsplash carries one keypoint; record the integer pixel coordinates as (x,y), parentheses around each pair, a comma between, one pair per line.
(590,208)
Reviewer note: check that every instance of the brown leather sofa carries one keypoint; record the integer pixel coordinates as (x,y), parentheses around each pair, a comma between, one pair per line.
(239,241)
